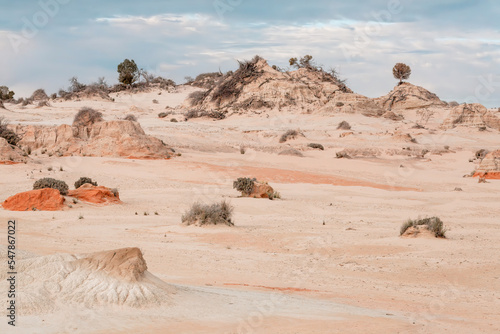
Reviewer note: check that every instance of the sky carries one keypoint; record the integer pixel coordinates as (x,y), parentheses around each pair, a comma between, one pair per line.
(452,47)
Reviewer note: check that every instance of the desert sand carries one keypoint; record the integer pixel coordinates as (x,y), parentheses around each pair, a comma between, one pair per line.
(325,258)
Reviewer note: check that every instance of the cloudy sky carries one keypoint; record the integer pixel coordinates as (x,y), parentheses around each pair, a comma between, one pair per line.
(453,47)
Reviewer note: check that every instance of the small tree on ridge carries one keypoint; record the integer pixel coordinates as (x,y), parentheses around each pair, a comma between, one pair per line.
(401,71)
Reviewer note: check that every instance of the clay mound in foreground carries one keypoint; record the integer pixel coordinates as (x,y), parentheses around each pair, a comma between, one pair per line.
(117,277)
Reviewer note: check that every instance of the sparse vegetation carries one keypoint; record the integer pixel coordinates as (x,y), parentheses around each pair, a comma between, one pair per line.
(244,185)
(196,98)
(6,94)
(130,117)
(401,72)
(210,114)
(274,195)
(84,180)
(87,117)
(344,126)
(214,214)
(433,224)
(342,155)
(316,146)
(129,73)
(39,95)
(290,134)
(9,135)
(51,183)
(292,152)
(231,87)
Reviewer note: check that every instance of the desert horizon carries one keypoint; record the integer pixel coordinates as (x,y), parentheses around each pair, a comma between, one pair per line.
(273,195)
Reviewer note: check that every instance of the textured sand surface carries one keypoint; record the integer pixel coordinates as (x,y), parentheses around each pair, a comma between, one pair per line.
(326,258)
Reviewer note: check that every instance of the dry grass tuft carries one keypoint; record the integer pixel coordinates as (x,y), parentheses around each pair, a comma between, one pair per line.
(434,224)
(214,214)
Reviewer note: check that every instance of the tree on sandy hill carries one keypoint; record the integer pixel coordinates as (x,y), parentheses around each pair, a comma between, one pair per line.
(129,73)
(401,71)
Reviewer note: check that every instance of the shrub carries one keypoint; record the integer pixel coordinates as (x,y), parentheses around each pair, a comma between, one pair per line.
(156,101)
(163,114)
(129,73)
(292,152)
(43,104)
(480,154)
(244,185)
(344,126)
(274,195)
(86,117)
(290,134)
(401,71)
(197,97)
(453,104)
(214,214)
(39,95)
(342,155)
(434,224)
(130,117)
(316,146)
(6,93)
(84,180)
(9,135)
(339,104)
(51,183)
(173,120)
(210,114)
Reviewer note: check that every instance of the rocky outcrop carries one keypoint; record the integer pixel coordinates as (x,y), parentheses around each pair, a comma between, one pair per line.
(102,139)
(351,103)
(261,190)
(256,85)
(10,154)
(472,115)
(47,199)
(408,96)
(95,194)
(490,166)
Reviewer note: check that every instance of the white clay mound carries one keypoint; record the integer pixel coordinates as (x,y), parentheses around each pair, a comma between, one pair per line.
(119,277)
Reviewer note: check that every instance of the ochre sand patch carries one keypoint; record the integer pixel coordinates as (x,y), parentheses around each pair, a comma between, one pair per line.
(42,199)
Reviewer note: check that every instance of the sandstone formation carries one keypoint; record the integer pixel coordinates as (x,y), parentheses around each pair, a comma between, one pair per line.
(490,166)
(10,154)
(41,200)
(408,96)
(102,139)
(95,194)
(472,115)
(256,85)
